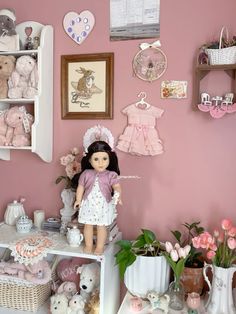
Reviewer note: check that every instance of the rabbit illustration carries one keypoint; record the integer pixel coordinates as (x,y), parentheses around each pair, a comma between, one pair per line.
(86,82)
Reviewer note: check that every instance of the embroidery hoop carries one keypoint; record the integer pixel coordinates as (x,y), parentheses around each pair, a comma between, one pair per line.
(150,63)
(97,133)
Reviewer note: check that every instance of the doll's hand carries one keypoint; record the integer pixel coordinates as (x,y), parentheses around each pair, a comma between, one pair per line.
(77,204)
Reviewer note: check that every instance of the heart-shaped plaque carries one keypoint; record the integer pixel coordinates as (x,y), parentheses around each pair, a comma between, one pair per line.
(78,26)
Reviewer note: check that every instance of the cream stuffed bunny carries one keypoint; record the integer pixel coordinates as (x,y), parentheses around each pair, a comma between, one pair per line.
(23,81)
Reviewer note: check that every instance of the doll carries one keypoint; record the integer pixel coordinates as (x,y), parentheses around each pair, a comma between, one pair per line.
(98,180)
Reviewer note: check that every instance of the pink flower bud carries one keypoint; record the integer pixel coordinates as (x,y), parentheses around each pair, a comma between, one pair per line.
(169,247)
(231,242)
(174,255)
(211,255)
(216,233)
(232,232)
(226,224)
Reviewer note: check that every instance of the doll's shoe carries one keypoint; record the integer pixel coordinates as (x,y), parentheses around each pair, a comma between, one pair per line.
(217,112)
(204,108)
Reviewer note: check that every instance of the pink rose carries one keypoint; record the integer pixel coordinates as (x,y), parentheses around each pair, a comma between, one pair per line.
(216,233)
(231,242)
(210,255)
(226,224)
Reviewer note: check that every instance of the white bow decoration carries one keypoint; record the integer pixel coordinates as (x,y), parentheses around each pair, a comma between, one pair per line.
(155,44)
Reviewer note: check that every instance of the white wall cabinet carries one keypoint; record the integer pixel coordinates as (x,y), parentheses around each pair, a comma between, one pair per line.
(42,129)
(109,278)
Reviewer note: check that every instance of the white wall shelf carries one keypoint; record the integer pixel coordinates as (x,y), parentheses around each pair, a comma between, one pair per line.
(42,128)
(109,278)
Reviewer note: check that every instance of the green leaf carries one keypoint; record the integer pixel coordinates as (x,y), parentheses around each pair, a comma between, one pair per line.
(124,244)
(122,255)
(177,235)
(149,236)
(139,243)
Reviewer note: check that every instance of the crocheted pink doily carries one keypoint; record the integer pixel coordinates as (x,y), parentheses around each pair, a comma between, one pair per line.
(31,249)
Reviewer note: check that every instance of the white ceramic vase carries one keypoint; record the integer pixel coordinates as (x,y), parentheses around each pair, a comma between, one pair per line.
(221,290)
(147,273)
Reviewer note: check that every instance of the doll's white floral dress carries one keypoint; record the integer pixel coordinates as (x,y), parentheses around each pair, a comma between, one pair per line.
(140,137)
(95,210)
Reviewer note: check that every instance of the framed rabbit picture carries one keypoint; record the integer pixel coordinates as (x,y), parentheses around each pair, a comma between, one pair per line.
(87,86)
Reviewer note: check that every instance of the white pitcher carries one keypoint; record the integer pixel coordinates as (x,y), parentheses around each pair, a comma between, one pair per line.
(221,291)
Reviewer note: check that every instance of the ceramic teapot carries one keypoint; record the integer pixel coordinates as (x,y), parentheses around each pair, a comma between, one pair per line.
(13,212)
(74,236)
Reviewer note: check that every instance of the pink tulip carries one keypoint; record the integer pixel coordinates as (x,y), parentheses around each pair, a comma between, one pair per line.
(211,255)
(196,242)
(232,232)
(174,255)
(169,247)
(181,252)
(177,246)
(231,242)
(226,224)
(187,249)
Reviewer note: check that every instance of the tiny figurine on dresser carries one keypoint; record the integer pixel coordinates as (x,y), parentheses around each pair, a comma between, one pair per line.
(159,301)
(97,182)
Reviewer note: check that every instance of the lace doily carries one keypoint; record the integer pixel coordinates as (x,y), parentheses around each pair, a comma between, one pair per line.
(97,133)
(31,249)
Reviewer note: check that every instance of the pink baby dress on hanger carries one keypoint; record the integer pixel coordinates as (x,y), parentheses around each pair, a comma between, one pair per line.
(140,137)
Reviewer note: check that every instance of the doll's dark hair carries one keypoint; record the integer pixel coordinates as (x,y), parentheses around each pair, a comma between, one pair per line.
(95,147)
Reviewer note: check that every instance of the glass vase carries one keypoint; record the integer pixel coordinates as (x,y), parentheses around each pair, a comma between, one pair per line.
(176,293)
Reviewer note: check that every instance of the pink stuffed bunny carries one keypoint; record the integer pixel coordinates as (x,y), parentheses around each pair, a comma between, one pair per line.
(39,273)
(19,124)
(23,81)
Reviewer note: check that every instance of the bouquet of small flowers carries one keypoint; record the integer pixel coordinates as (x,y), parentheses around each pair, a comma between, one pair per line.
(221,246)
(72,166)
(176,257)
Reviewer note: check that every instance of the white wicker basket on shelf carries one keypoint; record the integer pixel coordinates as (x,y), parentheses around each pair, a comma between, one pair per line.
(23,295)
(222,55)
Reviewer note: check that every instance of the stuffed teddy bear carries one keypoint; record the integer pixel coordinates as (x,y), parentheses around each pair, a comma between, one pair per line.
(7,65)
(59,304)
(23,81)
(68,288)
(76,305)
(7,22)
(94,304)
(89,279)
(19,124)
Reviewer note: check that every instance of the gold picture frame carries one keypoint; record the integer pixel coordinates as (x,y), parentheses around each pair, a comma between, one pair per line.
(87,86)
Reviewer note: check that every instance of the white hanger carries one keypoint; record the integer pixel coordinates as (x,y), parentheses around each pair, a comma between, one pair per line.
(143,95)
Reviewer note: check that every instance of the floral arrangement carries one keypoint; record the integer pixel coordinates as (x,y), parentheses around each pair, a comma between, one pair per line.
(176,257)
(72,166)
(193,229)
(221,246)
(225,43)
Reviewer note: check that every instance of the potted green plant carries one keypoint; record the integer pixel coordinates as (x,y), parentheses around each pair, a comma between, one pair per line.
(142,265)
(192,276)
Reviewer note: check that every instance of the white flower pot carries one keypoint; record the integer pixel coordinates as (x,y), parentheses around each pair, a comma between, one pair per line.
(146,274)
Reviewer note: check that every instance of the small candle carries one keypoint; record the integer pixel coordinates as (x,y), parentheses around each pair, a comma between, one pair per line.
(39,217)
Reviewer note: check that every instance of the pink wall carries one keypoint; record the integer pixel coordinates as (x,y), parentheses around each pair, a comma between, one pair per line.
(195,178)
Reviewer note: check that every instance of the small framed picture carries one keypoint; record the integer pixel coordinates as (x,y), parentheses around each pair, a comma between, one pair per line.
(174,89)
(87,86)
